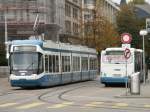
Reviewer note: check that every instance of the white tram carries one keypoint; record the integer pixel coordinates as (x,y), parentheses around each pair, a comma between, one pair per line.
(46,63)
(113,65)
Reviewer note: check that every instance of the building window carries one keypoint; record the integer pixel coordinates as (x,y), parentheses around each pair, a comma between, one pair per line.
(75,13)
(68,27)
(68,10)
(89,1)
(75,28)
(75,1)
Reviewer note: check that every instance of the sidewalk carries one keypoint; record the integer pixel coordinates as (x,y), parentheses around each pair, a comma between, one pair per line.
(144,91)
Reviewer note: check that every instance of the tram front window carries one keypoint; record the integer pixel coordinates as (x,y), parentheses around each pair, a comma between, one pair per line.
(26,61)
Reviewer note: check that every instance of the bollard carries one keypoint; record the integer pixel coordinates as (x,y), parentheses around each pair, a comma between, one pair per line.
(135,84)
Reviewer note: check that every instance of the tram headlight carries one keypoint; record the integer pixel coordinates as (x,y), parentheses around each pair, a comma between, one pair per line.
(103,74)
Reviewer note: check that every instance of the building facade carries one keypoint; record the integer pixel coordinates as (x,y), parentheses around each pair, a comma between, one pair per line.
(108,9)
(56,18)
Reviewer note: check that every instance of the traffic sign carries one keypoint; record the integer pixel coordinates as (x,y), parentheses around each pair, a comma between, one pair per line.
(127,53)
(126,38)
(148,25)
(124,46)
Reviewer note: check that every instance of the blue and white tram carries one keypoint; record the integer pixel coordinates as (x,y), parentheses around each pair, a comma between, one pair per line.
(46,63)
(113,65)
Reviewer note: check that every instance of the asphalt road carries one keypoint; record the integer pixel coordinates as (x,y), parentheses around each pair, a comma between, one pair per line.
(88,96)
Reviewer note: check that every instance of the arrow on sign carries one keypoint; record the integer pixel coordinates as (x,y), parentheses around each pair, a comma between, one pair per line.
(127,53)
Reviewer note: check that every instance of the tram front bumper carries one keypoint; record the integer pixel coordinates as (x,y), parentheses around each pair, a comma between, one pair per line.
(24,83)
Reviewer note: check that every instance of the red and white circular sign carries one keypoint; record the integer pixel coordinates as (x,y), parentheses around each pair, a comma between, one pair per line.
(126,38)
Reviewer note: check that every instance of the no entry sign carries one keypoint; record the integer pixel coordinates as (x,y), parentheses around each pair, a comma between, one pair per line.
(127,53)
(126,38)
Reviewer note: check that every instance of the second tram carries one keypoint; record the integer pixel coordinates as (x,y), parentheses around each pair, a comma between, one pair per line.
(113,65)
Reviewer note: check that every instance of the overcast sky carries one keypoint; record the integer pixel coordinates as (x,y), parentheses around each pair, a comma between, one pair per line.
(118,1)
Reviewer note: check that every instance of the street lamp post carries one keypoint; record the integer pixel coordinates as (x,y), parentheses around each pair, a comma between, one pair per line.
(143,33)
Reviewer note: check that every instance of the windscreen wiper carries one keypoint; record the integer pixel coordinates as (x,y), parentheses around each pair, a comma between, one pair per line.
(29,65)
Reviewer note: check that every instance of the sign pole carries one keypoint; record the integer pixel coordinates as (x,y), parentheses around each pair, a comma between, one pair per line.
(144,61)
(127,55)
(126,39)
(126,79)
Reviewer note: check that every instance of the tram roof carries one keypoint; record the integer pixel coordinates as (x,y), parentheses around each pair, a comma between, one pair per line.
(67,46)
(27,42)
(54,45)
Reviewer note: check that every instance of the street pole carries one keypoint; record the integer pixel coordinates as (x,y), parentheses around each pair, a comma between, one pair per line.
(6,34)
(126,79)
(144,59)
(144,33)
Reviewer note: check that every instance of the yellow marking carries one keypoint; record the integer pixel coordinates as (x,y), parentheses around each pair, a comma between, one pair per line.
(30,105)
(62,105)
(121,104)
(115,107)
(147,106)
(97,103)
(7,104)
(94,104)
(90,105)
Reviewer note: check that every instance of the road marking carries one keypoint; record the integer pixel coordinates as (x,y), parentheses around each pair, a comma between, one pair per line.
(35,104)
(97,103)
(119,105)
(61,105)
(90,105)
(7,104)
(147,106)
(93,104)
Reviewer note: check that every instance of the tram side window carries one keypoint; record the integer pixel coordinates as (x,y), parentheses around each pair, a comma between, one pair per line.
(84,63)
(66,64)
(46,63)
(40,63)
(50,64)
(53,63)
(93,63)
(76,63)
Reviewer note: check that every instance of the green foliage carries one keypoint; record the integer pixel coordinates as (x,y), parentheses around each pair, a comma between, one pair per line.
(100,33)
(3,60)
(127,21)
(138,1)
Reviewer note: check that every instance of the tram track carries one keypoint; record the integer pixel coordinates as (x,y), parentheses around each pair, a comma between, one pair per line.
(106,105)
(58,92)
(61,94)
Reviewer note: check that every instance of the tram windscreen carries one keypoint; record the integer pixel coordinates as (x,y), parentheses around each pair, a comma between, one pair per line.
(115,57)
(24,61)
